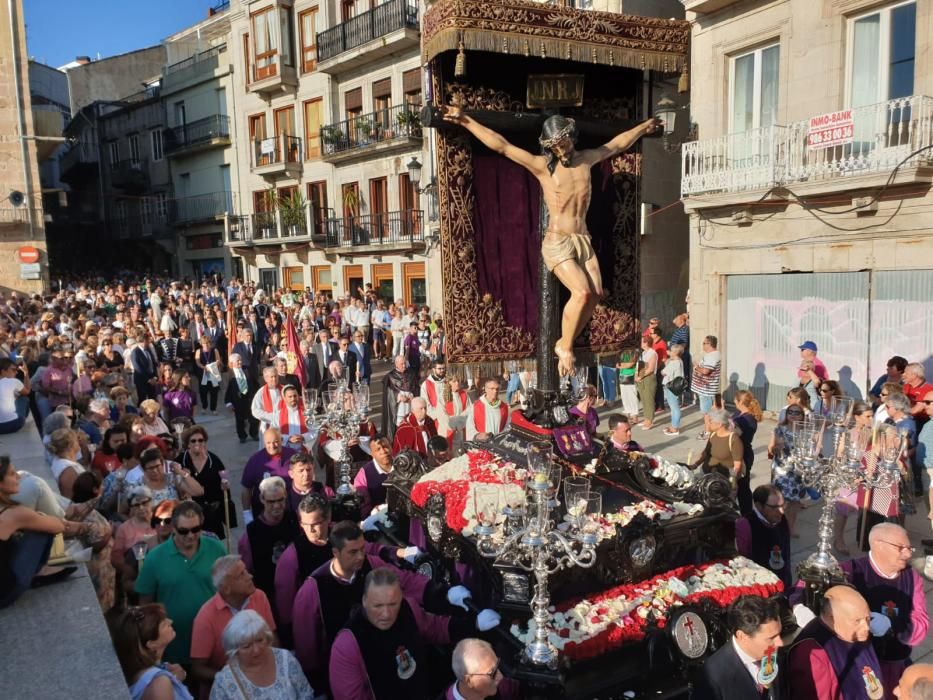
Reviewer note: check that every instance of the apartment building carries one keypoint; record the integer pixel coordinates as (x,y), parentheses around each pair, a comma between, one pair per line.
(809,187)
(327,98)
(200,142)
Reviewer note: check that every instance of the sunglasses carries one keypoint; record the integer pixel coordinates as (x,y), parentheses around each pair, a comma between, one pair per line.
(163,521)
(189,530)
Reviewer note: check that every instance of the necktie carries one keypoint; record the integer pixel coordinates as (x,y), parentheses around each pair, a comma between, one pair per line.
(240,380)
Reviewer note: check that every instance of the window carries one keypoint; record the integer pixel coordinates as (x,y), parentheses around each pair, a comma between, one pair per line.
(161,206)
(411,87)
(350,194)
(114,152)
(284,128)
(410,212)
(321,279)
(247,63)
(156,142)
(353,104)
(265,42)
(348,10)
(882,47)
(134,149)
(314,110)
(317,199)
(257,127)
(382,103)
(379,208)
(145,210)
(754,89)
(307,30)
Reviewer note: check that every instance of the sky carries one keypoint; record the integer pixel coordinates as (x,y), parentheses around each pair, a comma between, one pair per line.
(59,30)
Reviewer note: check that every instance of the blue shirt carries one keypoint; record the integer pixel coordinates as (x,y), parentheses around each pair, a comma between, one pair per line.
(925,446)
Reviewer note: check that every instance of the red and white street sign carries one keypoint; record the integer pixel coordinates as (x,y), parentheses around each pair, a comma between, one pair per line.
(28,254)
(828,130)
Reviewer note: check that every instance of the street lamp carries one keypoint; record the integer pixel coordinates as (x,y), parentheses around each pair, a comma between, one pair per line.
(666,111)
(414,176)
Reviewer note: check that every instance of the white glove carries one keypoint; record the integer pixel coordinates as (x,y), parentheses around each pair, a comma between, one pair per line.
(487,619)
(803,615)
(409,554)
(880,624)
(247,517)
(369,525)
(458,594)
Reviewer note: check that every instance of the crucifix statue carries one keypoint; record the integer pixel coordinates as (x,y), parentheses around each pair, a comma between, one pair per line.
(564,175)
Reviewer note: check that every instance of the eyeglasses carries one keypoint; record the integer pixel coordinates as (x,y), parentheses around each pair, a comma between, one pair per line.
(163,521)
(189,530)
(144,502)
(491,674)
(193,441)
(776,506)
(927,402)
(900,547)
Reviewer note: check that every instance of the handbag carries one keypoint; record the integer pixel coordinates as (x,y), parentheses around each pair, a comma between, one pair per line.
(677,386)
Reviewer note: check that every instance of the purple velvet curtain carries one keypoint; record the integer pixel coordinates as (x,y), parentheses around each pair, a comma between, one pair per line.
(508,243)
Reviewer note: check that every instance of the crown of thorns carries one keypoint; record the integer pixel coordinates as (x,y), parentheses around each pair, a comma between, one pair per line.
(560,135)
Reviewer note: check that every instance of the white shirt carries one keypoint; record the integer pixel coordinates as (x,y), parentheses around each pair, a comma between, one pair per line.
(750,664)
(9,391)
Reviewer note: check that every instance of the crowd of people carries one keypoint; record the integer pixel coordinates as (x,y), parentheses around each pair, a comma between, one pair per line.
(305,603)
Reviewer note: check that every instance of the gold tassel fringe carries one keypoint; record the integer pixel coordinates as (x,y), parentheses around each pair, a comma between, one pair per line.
(460,65)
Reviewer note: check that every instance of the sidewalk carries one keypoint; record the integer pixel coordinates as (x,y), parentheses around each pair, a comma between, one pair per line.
(55,643)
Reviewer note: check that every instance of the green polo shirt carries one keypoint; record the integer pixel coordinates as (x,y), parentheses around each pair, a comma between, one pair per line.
(182,586)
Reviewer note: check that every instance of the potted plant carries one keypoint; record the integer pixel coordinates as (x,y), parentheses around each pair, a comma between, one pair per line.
(331,136)
(292,211)
(364,128)
(409,122)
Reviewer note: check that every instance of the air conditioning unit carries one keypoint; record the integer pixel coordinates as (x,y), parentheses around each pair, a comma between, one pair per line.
(865,205)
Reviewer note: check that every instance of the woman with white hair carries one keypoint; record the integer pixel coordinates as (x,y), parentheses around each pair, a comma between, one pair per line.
(255,669)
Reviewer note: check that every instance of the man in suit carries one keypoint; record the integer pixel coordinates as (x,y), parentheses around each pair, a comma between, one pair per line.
(745,667)
(145,365)
(312,373)
(347,358)
(249,354)
(197,327)
(216,334)
(239,396)
(364,356)
(325,350)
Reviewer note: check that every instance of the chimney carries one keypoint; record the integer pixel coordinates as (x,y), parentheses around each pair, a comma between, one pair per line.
(83,60)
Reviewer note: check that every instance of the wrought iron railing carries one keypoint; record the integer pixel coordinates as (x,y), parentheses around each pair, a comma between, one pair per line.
(276,150)
(82,152)
(197,133)
(202,207)
(202,57)
(377,22)
(386,228)
(398,122)
(878,138)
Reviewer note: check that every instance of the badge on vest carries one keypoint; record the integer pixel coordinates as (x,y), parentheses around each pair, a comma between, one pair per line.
(406,663)
(873,686)
(768,668)
(890,609)
(776,560)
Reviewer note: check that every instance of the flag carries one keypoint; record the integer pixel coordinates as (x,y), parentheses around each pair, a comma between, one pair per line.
(296,361)
(231,327)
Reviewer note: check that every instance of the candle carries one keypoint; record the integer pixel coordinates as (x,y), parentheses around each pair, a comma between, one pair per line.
(690,457)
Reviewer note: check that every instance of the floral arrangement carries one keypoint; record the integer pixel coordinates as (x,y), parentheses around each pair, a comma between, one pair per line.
(653,510)
(592,626)
(456,480)
(673,474)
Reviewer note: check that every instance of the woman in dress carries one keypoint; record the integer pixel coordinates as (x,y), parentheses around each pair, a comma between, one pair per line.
(140,635)
(207,361)
(137,527)
(779,451)
(646,381)
(209,471)
(180,399)
(746,418)
(255,669)
(673,368)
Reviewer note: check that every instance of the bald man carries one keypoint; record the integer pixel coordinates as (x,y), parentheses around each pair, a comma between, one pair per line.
(916,683)
(833,657)
(416,431)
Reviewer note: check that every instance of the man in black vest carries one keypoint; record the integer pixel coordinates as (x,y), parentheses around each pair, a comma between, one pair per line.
(763,535)
(745,667)
(380,653)
(267,536)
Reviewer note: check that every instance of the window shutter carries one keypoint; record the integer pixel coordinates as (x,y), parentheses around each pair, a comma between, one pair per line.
(353,99)
(382,88)
(411,80)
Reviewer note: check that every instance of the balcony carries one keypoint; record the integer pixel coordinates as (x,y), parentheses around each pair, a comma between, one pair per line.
(269,228)
(396,128)
(277,156)
(273,77)
(187,211)
(738,167)
(195,69)
(130,175)
(375,233)
(196,136)
(380,32)
(705,7)
(79,162)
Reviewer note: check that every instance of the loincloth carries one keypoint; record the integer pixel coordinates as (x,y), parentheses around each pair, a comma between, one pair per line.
(558,247)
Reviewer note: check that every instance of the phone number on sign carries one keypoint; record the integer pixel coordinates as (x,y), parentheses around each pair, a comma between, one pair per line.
(832,136)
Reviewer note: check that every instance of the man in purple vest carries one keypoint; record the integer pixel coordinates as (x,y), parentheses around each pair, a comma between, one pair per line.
(326,598)
(763,535)
(832,656)
(370,480)
(893,589)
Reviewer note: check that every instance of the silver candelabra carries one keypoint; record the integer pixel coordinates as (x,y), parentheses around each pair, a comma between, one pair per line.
(526,535)
(345,408)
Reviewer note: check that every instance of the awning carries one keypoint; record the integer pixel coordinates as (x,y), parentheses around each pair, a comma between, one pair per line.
(524,28)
